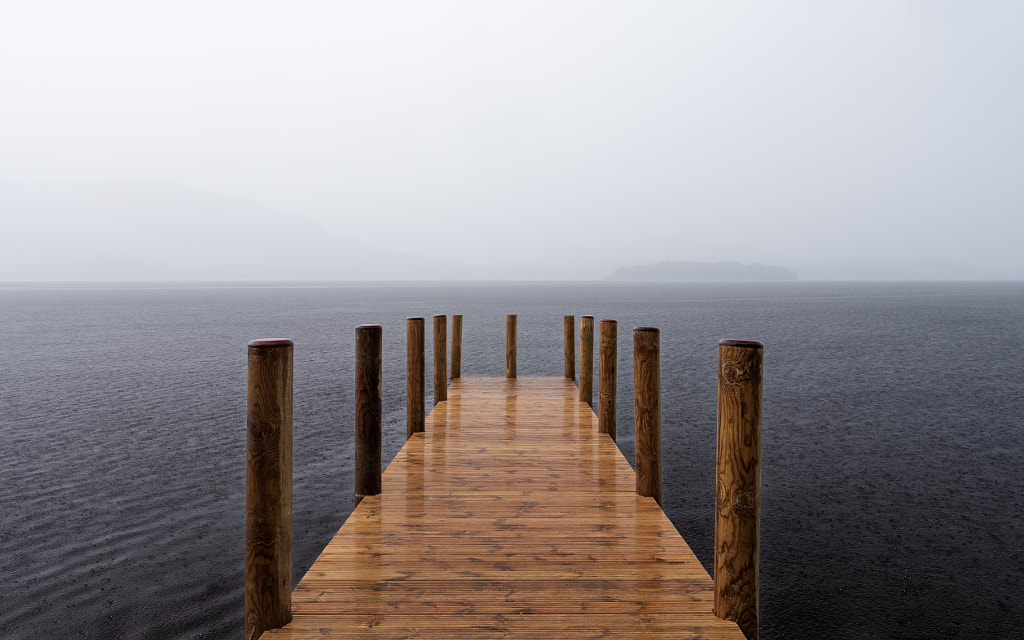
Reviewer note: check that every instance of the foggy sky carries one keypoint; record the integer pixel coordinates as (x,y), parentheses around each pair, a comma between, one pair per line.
(576,136)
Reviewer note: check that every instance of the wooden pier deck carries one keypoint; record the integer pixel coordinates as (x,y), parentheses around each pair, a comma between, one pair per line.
(510,517)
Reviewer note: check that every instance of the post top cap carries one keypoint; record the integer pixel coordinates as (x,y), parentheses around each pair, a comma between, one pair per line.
(609,321)
(268,343)
(748,344)
(654,329)
(367,326)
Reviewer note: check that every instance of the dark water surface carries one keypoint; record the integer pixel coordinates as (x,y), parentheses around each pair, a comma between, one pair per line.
(893,445)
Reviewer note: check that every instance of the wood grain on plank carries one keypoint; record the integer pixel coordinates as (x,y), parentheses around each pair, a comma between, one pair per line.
(509,516)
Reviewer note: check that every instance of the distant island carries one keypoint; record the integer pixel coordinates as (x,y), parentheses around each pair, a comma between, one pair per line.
(682,270)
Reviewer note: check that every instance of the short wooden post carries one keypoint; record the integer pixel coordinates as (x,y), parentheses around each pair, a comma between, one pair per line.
(587,359)
(268,487)
(415,376)
(368,410)
(569,330)
(647,411)
(738,483)
(440,358)
(510,346)
(456,347)
(606,378)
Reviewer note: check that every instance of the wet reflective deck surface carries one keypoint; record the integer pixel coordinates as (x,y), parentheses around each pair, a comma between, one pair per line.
(509,517)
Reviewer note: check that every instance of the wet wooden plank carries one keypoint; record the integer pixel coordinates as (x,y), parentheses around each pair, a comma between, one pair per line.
(510,516)
(512,625)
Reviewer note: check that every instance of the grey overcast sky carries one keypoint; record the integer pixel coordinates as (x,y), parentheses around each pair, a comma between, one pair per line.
(562,133)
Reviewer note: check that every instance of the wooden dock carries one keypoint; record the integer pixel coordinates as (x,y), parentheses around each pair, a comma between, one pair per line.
(510,516)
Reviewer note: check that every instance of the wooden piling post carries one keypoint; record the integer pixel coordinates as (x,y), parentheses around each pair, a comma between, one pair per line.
(415,376)
(440,358)
(569,330)
(368,410)
(456,347)
(738,484)
(647,411)
(606,377)
(587,360)
(268,487)
(510,346)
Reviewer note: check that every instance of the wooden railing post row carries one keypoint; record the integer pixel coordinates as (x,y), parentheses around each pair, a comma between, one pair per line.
(606,377)
(369,345)
(268,486)
(647,411)
(456,347)
(440,358)
(738,484)
(569,330)
(587,359)
(510,346)
(415,376)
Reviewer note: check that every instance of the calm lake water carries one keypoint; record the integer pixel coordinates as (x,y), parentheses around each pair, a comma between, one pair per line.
(893,442)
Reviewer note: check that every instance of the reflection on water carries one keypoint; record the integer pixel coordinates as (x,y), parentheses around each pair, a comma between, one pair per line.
(892,444)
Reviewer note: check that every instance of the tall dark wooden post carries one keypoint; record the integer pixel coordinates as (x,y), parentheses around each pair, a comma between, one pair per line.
(587,360)
(606,377)
(268,487)
(738,484)
(440,358)
(647,411)
(415,376)
(368,410)
(510,346)
(569,331)
(456,347)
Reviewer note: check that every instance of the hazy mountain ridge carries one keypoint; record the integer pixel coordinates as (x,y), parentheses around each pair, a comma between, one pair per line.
(164,231)
(907,270)
(684,270)
(159,231)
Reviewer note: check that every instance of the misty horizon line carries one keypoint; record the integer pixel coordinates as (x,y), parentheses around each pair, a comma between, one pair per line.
(165,232)
(398,281)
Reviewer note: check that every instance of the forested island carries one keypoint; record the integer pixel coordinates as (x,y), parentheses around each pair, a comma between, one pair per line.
(683,270)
